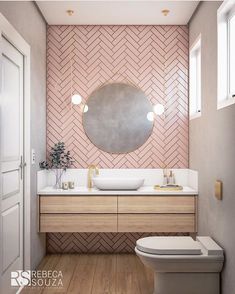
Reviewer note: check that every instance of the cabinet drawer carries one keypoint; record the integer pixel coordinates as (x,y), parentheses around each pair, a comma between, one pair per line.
(78,223)
(78,204)
(171,223)
(156,204)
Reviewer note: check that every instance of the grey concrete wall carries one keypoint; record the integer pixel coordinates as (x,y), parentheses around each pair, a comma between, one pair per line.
(212,147)
(27,20)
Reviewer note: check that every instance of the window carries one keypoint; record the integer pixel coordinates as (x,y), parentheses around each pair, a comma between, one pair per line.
(195,79)
(226,54)
(232,56)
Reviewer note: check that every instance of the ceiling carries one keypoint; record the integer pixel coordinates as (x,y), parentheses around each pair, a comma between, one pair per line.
(122,12)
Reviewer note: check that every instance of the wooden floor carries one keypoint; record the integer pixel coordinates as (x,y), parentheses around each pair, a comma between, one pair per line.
(97,274)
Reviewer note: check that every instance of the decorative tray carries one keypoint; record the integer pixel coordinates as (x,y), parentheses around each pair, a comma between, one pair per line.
(168,188)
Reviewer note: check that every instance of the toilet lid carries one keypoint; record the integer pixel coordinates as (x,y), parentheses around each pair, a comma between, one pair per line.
(169,245)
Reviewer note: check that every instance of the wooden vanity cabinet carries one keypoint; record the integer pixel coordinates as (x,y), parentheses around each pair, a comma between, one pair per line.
(170,214)
(78,213)
(78,204)
(61,222)
(156,204)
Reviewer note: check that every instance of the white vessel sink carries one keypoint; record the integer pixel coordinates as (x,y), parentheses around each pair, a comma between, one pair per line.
(104,183)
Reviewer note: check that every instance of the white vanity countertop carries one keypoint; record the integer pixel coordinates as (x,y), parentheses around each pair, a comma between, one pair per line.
(145,190)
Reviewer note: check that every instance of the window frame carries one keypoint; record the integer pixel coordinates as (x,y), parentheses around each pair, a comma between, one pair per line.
(196,52)
(224,14)
(231,15)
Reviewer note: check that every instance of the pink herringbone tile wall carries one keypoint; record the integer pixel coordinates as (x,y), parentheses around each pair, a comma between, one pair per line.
(97,242)
(80,59)
(155,58)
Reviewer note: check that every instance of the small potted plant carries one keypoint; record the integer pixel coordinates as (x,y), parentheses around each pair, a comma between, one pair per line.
(59,160)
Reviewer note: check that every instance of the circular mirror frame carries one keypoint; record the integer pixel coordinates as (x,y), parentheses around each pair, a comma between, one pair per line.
(108,125)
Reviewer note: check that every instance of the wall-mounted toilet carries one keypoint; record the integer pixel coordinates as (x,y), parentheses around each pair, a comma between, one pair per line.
(182,265)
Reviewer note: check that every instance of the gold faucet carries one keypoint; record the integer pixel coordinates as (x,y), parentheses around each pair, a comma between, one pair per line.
(91,170)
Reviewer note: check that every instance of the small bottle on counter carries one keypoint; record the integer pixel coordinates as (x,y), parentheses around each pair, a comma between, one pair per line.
(71,185)
(165,180)
(171,179)
(165,177)
(65,185)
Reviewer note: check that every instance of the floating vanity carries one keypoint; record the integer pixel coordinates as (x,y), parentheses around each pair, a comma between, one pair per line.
(117,213)
(143,210)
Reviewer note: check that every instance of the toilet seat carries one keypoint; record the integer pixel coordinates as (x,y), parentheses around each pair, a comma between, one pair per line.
(169,246)
(182,265)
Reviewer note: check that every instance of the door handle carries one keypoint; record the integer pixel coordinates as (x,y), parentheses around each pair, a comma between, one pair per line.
(21,167)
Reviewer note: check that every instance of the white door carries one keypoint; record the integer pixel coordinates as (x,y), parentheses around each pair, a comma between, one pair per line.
(11,163)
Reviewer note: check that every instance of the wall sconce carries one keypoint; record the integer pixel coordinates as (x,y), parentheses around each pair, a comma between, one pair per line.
(70,12)
(85,108)
(165,12)
(158,109)
(76,99)
(150,116)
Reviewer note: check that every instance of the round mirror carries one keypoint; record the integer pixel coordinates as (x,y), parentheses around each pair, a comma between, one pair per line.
(117,119)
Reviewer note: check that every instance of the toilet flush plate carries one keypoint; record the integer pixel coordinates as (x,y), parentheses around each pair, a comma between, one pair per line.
(218,190)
